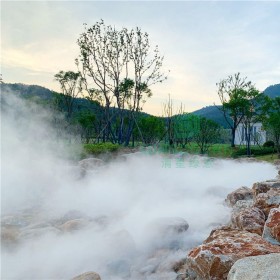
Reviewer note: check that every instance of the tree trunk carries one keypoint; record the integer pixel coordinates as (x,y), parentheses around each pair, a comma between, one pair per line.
(233,137)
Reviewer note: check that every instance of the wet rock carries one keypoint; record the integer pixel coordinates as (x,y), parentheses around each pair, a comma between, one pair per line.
(250,219)
(264,267)
(9,235)
(168,232)
(73,225)
(171,225)
(38,232)
(268,200)
(272,227)
(91,163)
(214,258)
(15,220)
(243,193)
(87,276)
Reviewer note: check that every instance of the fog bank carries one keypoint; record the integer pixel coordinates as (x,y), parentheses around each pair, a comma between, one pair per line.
(131,218)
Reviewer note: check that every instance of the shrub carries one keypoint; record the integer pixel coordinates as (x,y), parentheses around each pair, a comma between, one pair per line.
(268,144)
(100,148)
(254,152)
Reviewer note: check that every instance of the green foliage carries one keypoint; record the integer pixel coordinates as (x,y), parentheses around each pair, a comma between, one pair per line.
(207,133)
(152,129)
(254,152)
(100,148)
(271,119)
(268,144)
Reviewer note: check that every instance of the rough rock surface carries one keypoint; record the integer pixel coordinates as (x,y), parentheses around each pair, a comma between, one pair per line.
(242,204)
(31,233)
(87,276)
(73,225)
(272,227)
(9,235)
(214,258)
(242,193)
(91,163)
(268,200)
(263,187)
(259,267)
(250,219)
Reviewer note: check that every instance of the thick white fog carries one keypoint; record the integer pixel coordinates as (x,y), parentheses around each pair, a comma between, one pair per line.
(128,219)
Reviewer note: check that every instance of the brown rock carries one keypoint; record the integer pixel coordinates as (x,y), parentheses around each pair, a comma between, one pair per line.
(263,187)
(242,193)
(73,225)
(214,258)
(9,235)
(87,276)
(268,200)
(272,227)
(250,219)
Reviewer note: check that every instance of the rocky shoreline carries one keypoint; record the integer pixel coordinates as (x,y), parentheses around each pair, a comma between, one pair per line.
(248,247)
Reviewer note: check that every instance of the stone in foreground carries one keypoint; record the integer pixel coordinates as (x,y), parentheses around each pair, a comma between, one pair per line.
(272,227)
(264,267)
(87,276)
(250,219)
(215,257)
(242,193)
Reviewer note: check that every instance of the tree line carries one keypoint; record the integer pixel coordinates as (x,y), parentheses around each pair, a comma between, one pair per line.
(116,70)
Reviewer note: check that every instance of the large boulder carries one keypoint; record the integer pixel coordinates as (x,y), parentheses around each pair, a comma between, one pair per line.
(268,200)
(242,204)
(264,267)
(272,227)
(168,232)
(250,219)
(88,276)
(263,187)
(214,258)
(243,193)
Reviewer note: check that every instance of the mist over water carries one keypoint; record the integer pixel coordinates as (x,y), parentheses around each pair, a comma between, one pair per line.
(127,219)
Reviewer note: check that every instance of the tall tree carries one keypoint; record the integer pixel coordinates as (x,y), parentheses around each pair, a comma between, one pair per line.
(122,66)
(232,92)
(206,134)
(271,120)
(252,109)
(71,86)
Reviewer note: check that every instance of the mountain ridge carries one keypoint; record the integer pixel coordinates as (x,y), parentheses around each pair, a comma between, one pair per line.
(44,94)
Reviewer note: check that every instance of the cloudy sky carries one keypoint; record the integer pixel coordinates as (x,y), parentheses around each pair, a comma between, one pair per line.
(203,42)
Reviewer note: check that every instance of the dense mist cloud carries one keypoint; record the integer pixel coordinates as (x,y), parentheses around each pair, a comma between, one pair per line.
(124,220)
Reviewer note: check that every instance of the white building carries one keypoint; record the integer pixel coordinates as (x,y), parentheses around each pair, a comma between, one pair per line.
(258,134)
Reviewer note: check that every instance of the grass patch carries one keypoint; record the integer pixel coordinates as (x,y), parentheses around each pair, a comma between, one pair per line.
(255,151)
(269,158)
(100,148)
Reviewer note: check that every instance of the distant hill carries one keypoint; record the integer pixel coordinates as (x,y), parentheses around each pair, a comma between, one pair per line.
(272,91)
(47,97)
(28,91)
(44,95)
(213,113)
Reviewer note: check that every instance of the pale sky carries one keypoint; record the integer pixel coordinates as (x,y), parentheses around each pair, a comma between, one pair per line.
(203,42)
